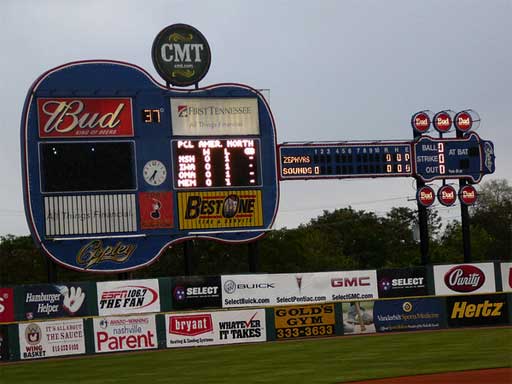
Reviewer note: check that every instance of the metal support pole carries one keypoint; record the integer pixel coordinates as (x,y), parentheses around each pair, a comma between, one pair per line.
(466,233)
(423,224)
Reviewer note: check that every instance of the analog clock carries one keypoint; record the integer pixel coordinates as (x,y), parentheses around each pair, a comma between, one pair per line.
(154,172)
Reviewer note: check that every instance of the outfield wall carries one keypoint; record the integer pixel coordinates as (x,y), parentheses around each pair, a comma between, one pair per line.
(51,320)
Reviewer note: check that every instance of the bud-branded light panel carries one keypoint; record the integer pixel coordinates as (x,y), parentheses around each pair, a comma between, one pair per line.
(117,167)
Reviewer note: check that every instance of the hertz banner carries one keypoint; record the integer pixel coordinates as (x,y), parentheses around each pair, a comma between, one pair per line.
(304,321)
(220,209)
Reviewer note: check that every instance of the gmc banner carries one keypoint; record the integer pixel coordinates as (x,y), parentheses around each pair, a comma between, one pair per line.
(6,305)
(57,300)
(84,117)
(477,310)
(196,292)
(506,277)
(215,328)
(51,338)
(130,296)
(463,279)
(124,333)
(402,282)
(408,315)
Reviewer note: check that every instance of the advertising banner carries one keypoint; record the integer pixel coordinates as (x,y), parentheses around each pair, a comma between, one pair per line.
(304,321)
(408,315)
(215,328)
(477,310)
(51,338)
(358,317)
(461,279)
(6,305)
(4,342)
(84,117)
(124,333)
(196,292)
(55,300)
(402,282)
(220,209)
(130,296)
(506,277)
(214,117)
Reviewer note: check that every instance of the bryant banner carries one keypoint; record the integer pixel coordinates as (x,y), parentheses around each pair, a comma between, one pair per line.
(304,321)
(215,328)
(56,300)
(402,282)
(51,338)
(220,209)
(126,297)
(506,277)
(477,310)
(211,117)
(463,279)
(6,305)
(124,333)
(196,292)
(408,315)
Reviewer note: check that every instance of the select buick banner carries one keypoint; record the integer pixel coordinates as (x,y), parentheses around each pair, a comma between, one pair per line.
(124,333)
(129,296)
(215,328)
(51,338)
(460,279)
(55,300)
(402,282)
(408,315)
(6,305)
(477,310)
(506,277)
(300,288)
(304,321)
(196,292)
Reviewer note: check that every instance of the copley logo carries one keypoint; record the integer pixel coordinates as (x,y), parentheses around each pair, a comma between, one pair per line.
(128,296)
(95,252)
(190,325)
(464,278)
(85,117)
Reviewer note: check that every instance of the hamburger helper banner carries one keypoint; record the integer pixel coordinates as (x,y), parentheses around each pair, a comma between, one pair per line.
(129,296)
(55,300)
(460,279)
(299,288)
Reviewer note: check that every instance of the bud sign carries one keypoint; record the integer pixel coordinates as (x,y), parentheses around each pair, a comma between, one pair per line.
(447,195)
(425,196)
(442,121)
(467,195)
(463,121)
(420,122)
(181,55)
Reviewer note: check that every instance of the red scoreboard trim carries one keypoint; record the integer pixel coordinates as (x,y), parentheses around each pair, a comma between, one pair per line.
(85,117)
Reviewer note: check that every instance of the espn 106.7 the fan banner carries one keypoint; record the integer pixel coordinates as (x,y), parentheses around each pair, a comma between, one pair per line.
(130,296)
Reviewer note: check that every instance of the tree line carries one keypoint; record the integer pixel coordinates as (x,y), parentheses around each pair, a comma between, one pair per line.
(343,239)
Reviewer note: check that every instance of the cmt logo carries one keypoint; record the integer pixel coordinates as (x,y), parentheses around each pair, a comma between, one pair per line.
(363,281)
(462,309)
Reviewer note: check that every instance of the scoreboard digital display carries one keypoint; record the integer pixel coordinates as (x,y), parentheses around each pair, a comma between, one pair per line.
(216,163)
(345,160)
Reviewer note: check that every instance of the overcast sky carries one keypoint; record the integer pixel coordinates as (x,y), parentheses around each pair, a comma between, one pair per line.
(336,70)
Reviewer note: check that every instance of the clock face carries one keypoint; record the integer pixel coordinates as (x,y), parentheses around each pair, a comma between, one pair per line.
(154,172)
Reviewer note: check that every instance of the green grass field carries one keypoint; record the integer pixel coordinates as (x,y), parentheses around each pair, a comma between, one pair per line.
(302,361)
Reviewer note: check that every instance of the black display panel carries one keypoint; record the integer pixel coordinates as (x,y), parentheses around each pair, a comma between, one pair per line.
(216,163)
(90,166)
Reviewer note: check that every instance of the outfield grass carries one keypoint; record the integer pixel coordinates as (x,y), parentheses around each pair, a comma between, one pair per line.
(304,361)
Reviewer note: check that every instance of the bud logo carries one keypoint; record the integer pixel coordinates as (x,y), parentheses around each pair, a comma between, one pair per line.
(425,196)
(220,209)
(463,309)
(350,282)
(192,325)
(442,122)
(467,195)
(447,195)
(129,296)
(421,122)
(67,117)
(464,278)
(463,121)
